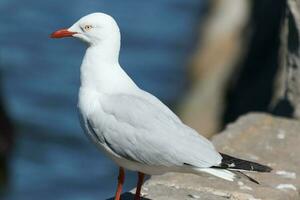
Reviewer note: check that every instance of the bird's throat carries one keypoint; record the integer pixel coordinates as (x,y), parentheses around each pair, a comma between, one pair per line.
(101,71)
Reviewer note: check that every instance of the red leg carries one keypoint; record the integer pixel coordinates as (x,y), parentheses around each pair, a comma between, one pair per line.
(121,179)
(139,186)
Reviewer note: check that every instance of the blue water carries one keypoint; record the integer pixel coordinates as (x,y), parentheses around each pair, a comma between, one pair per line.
(40,78)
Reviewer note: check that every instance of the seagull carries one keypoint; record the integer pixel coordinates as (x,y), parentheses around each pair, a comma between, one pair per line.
(133,127)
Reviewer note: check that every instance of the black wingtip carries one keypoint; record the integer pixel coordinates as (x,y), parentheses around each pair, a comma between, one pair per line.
(240,164)
(248,177)
(253,180)
(267,168)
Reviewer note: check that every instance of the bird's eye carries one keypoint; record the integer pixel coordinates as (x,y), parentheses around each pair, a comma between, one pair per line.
(88,27)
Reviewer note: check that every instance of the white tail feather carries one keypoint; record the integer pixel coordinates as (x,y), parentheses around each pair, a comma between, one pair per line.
(221,173)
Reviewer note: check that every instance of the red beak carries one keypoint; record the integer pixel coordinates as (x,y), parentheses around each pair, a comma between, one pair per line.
(62,33)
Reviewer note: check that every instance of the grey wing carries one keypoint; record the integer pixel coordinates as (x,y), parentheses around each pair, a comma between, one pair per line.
(145,131)
(96,135)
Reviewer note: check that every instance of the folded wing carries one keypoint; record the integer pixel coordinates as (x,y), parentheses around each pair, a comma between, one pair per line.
(142,129)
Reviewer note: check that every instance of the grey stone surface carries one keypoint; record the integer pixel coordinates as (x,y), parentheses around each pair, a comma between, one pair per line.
(259,137)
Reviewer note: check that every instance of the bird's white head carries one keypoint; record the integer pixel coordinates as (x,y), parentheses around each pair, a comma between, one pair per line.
(100,67)
(94,29)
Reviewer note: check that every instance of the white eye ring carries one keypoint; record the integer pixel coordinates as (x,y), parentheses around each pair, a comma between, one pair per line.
(88,27)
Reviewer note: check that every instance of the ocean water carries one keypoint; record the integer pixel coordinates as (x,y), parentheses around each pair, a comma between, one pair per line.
(52,158)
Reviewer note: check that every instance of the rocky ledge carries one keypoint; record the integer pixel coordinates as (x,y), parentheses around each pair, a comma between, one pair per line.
(262,138)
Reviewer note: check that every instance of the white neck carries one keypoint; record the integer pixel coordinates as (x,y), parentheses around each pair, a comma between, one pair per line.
(100,69)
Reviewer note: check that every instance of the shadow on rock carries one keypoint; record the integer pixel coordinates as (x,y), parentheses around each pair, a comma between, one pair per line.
(128,196)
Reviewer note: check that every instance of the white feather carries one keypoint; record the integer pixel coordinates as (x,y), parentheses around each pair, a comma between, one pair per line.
(221,173)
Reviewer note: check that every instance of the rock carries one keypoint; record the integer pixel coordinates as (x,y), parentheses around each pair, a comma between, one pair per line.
(259,137)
